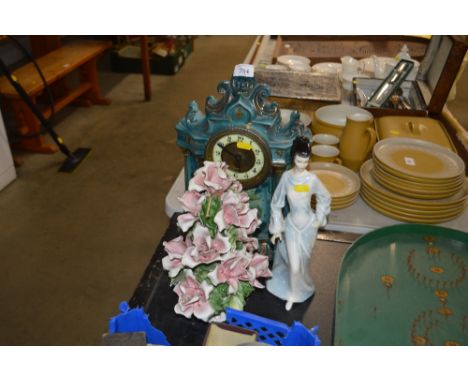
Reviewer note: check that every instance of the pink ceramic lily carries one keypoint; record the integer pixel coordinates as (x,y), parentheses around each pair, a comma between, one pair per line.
(206,249)
(193,298)
(237,216)
(258,267)
(231,271)
(186,221)
(250,242)
(211,178)
(175,249)
(192,201)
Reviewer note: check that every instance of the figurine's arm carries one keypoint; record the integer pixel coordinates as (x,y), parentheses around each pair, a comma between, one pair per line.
(323,202)
(278,201)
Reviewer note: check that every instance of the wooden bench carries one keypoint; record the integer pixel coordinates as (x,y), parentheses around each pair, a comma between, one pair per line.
(56,65)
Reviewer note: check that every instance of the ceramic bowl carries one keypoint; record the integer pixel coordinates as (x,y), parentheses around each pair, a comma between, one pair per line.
(332,119)
(299,67)
(327,68)
(325,139)
(291,60)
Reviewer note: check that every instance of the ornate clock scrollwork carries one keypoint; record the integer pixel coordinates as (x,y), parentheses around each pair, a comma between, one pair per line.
(246,88)
(259,96)
(213,105)
(242,85)
(193,115)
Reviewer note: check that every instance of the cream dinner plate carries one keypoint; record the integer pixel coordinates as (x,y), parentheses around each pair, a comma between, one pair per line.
(418,158)
(339,180)
(437,187)
(421,204)
(409,217)
(398,209)
(413,192)
(367,179)
(405,177)
(344,199)
(336,206)
(433,208)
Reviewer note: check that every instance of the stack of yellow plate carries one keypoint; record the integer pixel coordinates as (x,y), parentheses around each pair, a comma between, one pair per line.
(417,168)
(342,183)
(413,210)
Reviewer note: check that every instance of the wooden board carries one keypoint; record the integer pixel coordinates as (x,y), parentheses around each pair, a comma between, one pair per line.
(331,48)
(300,85)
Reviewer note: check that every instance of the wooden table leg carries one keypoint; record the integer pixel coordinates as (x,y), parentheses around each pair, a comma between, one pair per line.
(88,74)
(30,130)
(145,66)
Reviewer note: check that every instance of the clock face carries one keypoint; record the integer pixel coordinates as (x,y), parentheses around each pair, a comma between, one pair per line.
(246,154)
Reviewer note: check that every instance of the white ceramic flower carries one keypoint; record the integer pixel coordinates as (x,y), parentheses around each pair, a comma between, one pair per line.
(193,298)
(206,249)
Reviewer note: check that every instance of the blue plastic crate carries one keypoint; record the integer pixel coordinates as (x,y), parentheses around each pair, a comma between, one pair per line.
(136,320)
(274,332)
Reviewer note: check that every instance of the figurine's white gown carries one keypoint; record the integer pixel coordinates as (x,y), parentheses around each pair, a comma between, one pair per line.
(291,279)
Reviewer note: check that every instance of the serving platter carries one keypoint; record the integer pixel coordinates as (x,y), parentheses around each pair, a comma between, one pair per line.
(404,285)
(418,159)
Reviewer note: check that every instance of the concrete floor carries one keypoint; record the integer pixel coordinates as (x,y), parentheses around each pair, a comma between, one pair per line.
(72,246)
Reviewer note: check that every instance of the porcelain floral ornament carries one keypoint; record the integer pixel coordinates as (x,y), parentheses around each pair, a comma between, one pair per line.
(216,263)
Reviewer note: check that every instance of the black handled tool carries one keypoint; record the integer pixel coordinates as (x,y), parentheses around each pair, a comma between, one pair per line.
(73,159)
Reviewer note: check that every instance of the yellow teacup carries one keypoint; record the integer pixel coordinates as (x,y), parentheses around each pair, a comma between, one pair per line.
(325,139)
(325,153)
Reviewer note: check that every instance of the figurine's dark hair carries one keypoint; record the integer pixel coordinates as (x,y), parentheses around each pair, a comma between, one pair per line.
(301,147)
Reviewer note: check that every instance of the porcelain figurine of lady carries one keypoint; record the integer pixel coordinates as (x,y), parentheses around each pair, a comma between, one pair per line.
(297,231)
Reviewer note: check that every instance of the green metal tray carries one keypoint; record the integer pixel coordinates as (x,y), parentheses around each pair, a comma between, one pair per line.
(404,285)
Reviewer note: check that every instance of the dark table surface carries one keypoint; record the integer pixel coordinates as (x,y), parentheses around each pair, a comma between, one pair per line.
(154,294)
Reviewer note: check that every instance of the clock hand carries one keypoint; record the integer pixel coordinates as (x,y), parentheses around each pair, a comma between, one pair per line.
(236,157)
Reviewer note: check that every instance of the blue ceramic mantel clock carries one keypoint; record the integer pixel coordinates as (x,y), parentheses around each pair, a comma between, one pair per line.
(244,130)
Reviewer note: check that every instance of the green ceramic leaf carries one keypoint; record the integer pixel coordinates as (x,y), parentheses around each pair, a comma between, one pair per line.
(177,279)
(219,297)
(210,207)
(231,233)
(245,289)
(202,270)
(237,302)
